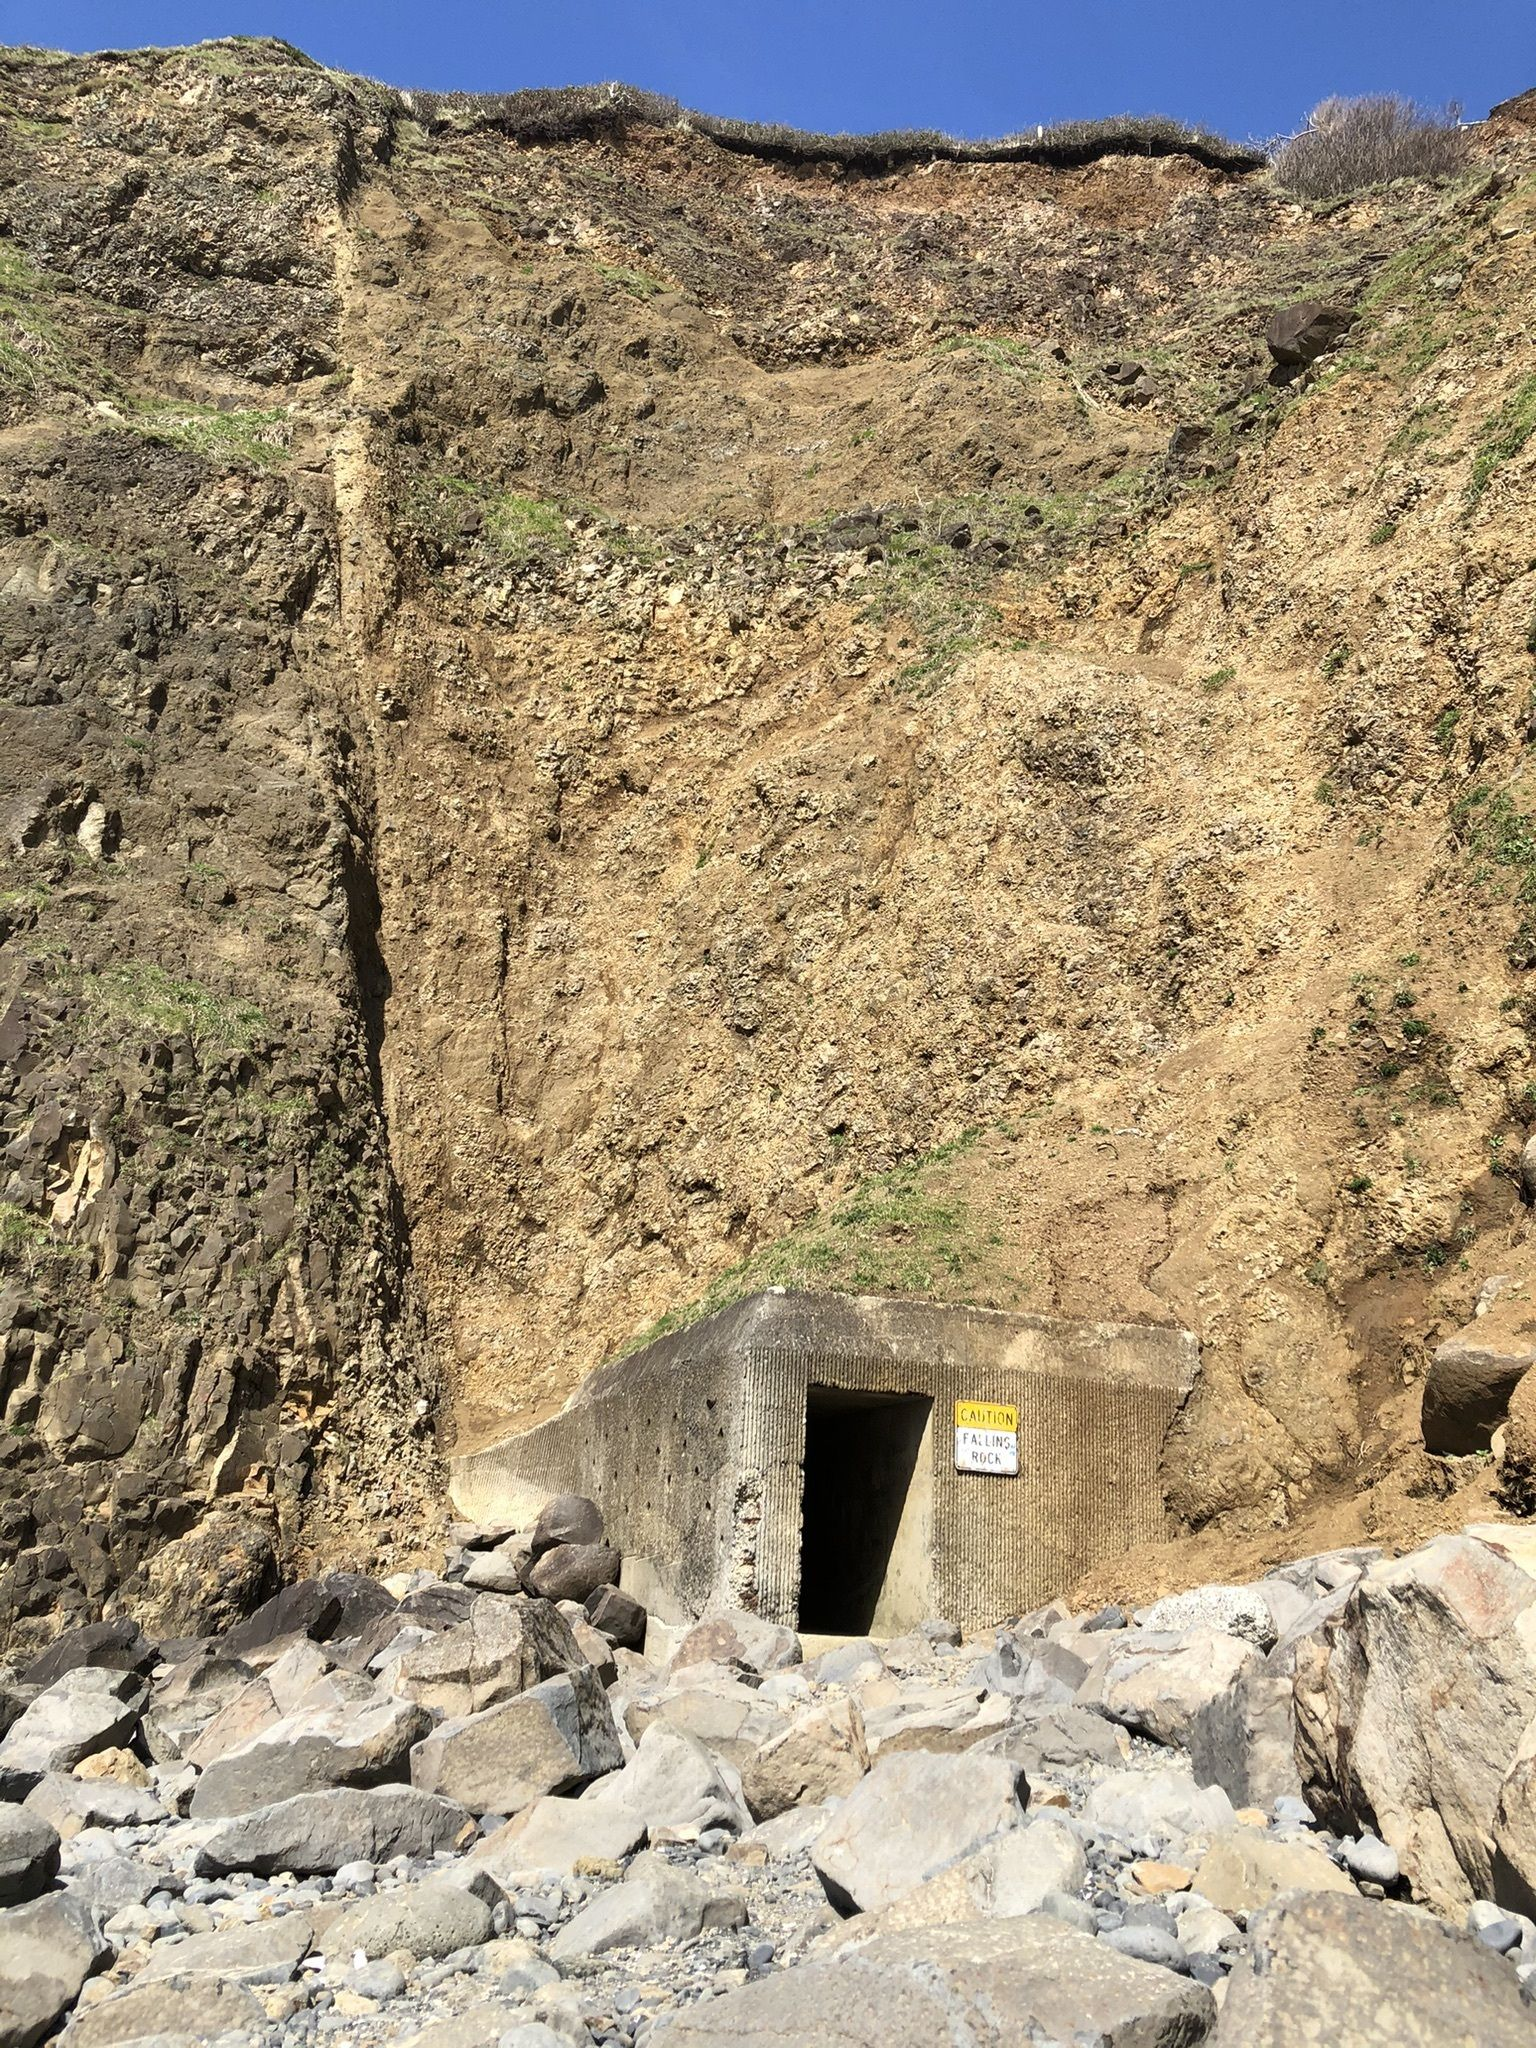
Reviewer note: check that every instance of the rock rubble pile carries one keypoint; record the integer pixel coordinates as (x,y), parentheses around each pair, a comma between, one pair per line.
(503,1808)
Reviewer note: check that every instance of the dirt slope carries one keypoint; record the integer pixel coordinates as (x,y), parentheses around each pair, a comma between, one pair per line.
(590,726)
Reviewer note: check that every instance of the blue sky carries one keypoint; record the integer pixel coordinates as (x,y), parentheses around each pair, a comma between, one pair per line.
(974,67)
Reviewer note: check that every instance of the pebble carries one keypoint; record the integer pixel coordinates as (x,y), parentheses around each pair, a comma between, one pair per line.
(1493,1927)
(1147,1945)
(381,1980)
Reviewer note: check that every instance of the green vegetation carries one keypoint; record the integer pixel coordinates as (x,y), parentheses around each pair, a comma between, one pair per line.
(947,594)
(1444,728)
(258,438)
(511,525)
(1503,437)
(890,1235)
(636,282)
(145,998)
(28,1247)
(1218,679)
(32,346)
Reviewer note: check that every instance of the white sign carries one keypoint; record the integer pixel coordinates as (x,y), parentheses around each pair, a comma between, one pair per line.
(987,1437)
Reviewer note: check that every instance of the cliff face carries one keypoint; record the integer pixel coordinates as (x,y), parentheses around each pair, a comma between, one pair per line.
(595,725)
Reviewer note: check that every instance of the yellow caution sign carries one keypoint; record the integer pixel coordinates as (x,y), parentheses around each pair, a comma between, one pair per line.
(987,1437)
(986,1415)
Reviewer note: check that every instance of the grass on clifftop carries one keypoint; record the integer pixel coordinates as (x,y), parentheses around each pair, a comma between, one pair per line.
(893,1233)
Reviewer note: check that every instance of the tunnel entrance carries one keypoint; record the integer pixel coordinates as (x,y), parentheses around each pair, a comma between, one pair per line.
(866,1542)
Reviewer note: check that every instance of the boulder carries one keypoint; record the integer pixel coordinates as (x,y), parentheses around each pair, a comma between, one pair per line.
(1015,1873)
(85,1710)
(1032,1979)
(104,1645)
(557,1834)
(552,1738)
(320,1831)
(196,2008)
(185,1705)
(1161,1694)
(673,1783)
(732,1720)
(266,1952)
(1298,334)
(1064,1739)
(617,1616)
(1411,1707)
(730,1635)
(568,1518)
(1470,1381)
(912,1815)
(500,1649)
(47,1950)
(656,1902)
(573,1570)
(343,1732)
(1244,1868)
(821,1755)
(501,1570)
(428,1919)
(68,1804)
(1335,1972)
(1517,1467)
(29,1854)
(1150,1811)
(1243,1611)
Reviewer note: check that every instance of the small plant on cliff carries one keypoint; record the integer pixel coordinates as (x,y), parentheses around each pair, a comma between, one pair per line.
(1349,144)
(1503,437)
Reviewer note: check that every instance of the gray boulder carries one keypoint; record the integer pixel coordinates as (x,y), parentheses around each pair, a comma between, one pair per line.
(1411,1705)
(1151,1811)
(911,1816)
(571,1571)
(552,1738)
(29,1854)
(556,1834)
(500,1649)
(320,1831)
(267,1952)
(70,1804)
(501,1570)
(196,2008)
(732,1720)
(821,1755)
(1162,1694)
(427,1919)
(729,1635)
(86,1710)
(344,1731)
(617,1616)
(1230,1610)
(568,1518)
(1325,1970)
(47,1950)
(108,1645)
(654,1903)
(989,1986)
(672,1782)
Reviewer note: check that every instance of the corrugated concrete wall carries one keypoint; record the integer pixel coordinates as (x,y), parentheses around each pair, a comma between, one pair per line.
(695,1445)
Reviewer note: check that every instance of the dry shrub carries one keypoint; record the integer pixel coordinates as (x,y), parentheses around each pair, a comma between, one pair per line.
(1348,144)
(568,113)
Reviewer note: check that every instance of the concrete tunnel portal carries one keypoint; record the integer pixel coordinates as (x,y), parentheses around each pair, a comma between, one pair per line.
(853,1464)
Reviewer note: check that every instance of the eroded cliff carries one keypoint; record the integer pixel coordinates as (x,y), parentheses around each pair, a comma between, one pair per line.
(594,724)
